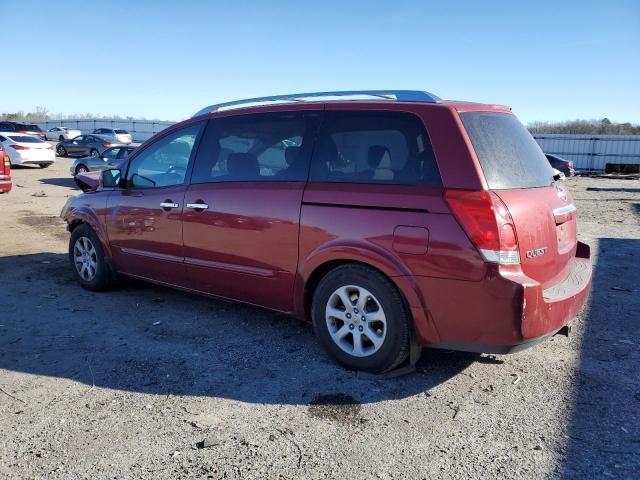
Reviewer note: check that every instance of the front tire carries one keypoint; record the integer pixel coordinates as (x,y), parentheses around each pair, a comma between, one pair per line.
(94,153)
(361,319)
(87,259)
(61,151)
(81,169)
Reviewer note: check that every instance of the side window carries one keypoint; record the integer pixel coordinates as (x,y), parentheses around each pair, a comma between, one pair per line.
(79,139)
(374,147)
(164,162)
(111,153)
(257,147)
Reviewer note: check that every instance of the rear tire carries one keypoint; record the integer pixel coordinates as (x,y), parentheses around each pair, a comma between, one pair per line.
(372,332)
(87,259)
(45,165)
(61,138)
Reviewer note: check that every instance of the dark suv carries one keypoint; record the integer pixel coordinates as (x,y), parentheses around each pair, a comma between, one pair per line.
(27,128)
(387,218)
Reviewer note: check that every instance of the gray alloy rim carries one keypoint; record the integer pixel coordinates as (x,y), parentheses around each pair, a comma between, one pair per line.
(85,258)
(60,151)
(95,153)
(356,321)
(82,169)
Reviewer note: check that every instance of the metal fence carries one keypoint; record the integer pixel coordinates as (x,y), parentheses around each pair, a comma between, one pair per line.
(592,152)
(141,130)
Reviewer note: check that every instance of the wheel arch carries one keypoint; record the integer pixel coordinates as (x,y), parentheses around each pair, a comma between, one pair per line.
(314,269)
(81,216)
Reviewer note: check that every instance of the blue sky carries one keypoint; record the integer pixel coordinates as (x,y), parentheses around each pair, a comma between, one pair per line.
(555,60)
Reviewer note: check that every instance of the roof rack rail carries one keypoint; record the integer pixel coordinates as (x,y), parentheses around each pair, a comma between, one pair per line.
(397,95)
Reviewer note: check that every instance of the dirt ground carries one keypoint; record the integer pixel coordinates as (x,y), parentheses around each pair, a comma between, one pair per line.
(147,382)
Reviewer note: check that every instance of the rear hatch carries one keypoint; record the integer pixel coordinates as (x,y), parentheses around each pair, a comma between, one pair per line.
(517,171)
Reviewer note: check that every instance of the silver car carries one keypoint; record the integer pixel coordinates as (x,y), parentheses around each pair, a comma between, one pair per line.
(117,134)
(110,158)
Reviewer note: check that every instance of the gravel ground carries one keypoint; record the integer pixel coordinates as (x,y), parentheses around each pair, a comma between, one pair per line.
(147,382)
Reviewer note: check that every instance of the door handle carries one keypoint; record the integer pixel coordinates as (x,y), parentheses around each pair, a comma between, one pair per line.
(169,204)
(198,206)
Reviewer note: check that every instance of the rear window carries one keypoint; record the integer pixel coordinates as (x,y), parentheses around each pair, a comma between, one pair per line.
(508,154)
(33,128)
(121,131)
(25,139)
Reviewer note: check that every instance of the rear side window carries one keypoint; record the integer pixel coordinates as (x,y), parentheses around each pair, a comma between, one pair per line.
(374,147)
(257,147)
(25,139)
(508,154)
(121,131)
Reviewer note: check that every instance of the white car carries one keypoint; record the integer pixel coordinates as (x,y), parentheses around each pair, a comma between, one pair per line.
(27,150)
(61,133)
(119,135)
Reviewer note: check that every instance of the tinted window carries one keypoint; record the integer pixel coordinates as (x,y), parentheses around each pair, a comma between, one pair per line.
(111,152)
(260,147)
(7,127)
(33,128)
(25,139)
(125,152)
(164,162)
(508,154)
(79,139)
(374,147)
(121,131)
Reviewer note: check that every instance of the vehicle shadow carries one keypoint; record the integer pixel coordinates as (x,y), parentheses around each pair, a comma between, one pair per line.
(150,339)
(603,433)
(60,182)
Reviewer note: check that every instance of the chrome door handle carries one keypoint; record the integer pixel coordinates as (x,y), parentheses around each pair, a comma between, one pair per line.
(198,206)
(169,205)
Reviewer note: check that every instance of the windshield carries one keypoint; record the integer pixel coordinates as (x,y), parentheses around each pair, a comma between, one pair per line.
(508,154)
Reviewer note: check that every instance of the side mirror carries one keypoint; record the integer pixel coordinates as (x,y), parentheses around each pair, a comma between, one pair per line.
(111,178)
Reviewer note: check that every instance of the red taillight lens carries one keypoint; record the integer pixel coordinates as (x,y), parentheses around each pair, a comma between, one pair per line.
(568,164)
(488,223)
(106,145)
(6,163)
(19,147)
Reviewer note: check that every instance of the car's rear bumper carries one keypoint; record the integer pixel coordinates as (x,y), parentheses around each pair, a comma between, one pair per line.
(5,185)
(502,313)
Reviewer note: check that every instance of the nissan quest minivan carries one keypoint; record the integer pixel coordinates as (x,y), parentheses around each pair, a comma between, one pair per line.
(386,218)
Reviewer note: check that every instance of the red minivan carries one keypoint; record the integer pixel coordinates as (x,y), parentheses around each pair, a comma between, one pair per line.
(5,172)
(387,218)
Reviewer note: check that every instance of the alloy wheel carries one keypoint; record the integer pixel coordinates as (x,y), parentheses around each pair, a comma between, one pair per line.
(356,321)
(85,258)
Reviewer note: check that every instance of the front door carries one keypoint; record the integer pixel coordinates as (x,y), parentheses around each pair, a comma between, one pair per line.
(242,209)
(144,219)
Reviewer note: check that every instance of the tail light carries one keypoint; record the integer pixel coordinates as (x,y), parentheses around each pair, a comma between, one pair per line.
(568,164)
(19,147)
(106,145)
(6,163)
(488,224)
